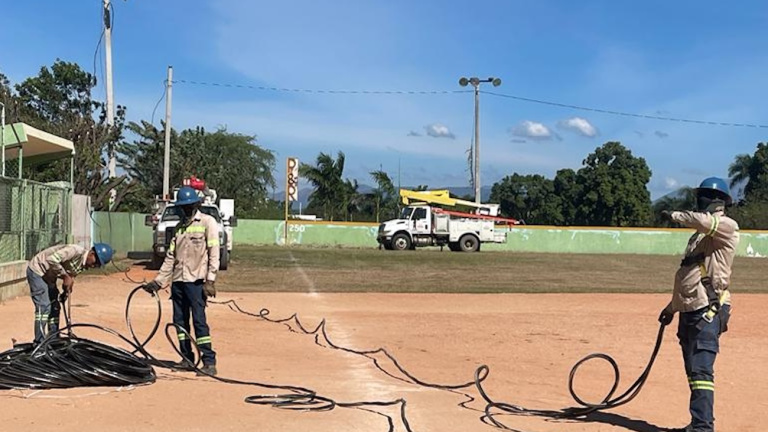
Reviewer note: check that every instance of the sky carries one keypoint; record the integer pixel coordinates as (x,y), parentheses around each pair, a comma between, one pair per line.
(701,60)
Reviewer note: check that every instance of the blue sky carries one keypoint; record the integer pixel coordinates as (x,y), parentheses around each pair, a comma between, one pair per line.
(692,59)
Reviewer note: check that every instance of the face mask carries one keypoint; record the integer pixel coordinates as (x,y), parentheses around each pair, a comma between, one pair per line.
(188,211)
(710,205)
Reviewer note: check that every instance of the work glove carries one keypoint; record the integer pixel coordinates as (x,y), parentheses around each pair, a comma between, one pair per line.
(210,288)
(665,318)
(63,297)
(151,287)
(666,214)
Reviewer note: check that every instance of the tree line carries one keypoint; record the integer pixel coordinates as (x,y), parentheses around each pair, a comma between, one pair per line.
(609,189)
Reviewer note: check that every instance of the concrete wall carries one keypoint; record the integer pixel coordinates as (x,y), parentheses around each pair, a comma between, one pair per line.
(14,277)
(125,232)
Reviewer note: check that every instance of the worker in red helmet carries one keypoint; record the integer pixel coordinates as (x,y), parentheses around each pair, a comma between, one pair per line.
(701,295)
(191,264)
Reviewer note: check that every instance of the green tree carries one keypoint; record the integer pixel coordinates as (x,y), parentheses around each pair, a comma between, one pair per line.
(329,189)
(384,197)
(614,190)
(568,191)
(529,198)
(752,170)
(233,164)
(682,199)
(58,100)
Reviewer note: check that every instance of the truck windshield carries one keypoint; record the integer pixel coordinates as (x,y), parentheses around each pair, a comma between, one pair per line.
(406,213)
(173,213)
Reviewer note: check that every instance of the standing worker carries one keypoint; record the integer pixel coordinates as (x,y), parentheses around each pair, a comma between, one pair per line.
(191,263)
(701,295)
(59,262)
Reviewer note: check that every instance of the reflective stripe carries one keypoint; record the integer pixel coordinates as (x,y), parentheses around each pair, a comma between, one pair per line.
(213,243)
(195,229)
(181,336)
(172,247)
(703,385)
(203,340)
(53,320)
(715,224)
(56,257)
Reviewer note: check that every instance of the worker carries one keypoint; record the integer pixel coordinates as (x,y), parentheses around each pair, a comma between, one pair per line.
(701,294)
(191,264)
(63,262)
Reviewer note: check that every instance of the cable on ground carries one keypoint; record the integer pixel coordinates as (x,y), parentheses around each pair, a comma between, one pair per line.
(492,408)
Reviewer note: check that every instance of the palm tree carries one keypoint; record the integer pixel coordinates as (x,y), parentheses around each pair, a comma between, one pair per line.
(326,177)
(385,195)
(752,169)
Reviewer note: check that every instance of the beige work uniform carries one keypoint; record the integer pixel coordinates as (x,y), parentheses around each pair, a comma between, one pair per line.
(716,239)
(60,260)
(193,254)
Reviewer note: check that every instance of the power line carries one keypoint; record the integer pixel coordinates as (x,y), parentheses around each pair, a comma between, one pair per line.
(501,95)
(297,90)
(624,114)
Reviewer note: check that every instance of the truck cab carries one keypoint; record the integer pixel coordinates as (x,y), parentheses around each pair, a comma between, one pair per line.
(168,216)
(420,224)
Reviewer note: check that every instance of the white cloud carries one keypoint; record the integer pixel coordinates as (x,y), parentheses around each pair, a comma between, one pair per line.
(579,125)
(437,130)
(532,130)
(671,183)
(413,134)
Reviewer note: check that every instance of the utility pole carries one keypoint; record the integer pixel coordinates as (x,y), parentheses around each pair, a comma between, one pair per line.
(476,156)
(167,158)
(112,164)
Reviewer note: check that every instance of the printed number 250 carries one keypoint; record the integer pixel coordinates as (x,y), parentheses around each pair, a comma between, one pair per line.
(297,228)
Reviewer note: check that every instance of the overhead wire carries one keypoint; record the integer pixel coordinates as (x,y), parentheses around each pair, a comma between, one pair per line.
(490,93)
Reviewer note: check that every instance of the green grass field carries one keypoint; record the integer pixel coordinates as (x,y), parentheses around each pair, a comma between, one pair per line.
(302,269)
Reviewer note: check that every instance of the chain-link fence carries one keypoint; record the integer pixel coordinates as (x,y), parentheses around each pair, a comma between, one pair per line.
(33,216)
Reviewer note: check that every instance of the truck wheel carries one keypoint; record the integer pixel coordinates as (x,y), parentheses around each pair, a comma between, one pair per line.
(223,259)
(401,242)
(454,247)
(469,243)
(387,245)
(157,262)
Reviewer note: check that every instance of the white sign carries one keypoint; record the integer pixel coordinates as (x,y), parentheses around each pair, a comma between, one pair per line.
(292,172)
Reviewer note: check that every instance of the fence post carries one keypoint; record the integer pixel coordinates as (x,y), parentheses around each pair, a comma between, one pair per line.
(22,213)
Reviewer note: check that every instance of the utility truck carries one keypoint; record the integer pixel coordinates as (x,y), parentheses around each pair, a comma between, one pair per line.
(421,224)
(167,216)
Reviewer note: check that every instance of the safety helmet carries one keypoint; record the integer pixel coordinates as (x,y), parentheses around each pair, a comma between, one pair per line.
(104,253)
(186,196)
(719,186)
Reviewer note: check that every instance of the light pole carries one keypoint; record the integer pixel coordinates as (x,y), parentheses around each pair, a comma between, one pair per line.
(475,81)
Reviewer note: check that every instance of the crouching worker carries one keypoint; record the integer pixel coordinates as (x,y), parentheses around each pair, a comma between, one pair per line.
(191,264)
(701,295)
(63,262)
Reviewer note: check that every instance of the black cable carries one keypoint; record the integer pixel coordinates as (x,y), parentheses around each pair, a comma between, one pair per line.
(481,374)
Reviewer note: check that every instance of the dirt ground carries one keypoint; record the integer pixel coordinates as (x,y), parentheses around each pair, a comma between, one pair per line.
(529,341)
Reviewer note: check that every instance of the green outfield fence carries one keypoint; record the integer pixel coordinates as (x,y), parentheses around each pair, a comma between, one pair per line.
(126,232)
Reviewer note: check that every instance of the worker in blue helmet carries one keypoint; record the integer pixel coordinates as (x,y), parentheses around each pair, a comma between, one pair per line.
(63,262)
(191,265)
(701,294)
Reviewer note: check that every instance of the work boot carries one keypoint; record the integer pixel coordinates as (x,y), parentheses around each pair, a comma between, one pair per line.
(207,370)
(182,366)
(688,428)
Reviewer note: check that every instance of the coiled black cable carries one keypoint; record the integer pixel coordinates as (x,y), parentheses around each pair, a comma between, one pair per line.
(492,408)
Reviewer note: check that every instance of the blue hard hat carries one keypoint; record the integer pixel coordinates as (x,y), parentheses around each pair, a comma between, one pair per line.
(186,196)
(104,253)
(719,185)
